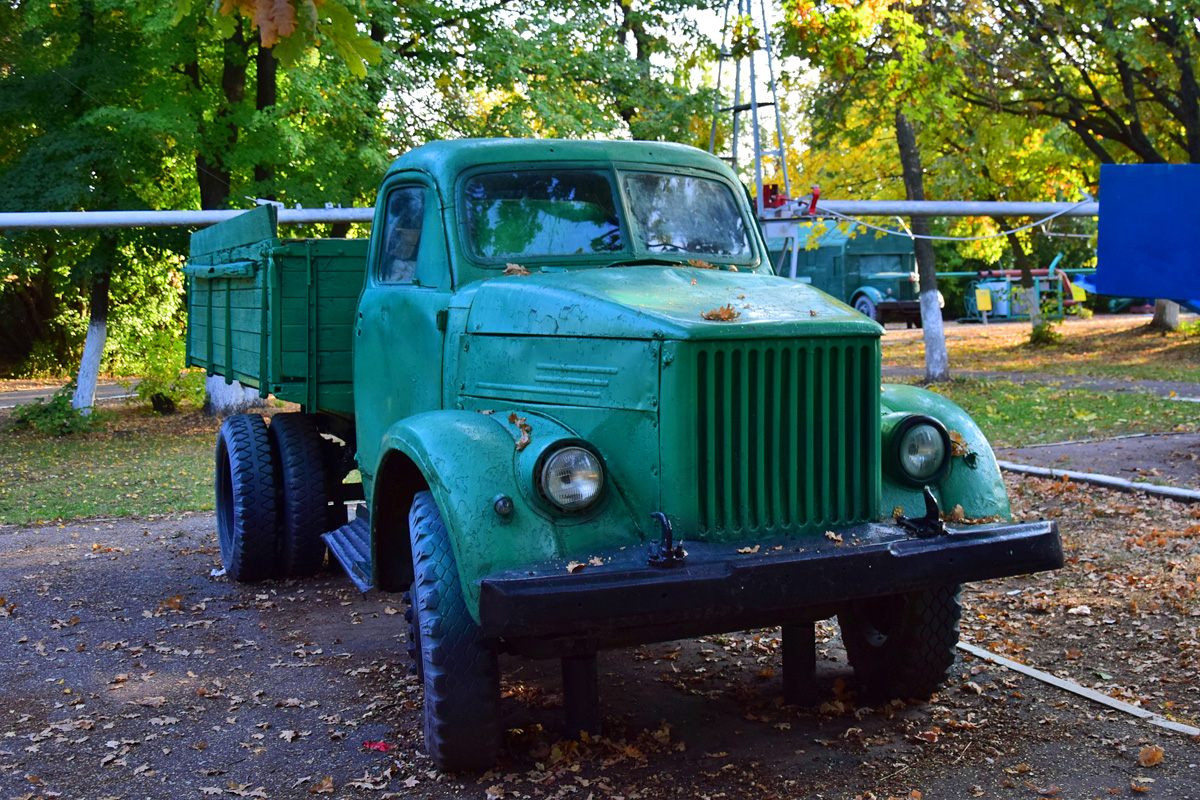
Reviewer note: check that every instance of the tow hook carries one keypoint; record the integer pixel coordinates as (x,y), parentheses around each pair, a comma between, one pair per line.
(929,525)
(665,554)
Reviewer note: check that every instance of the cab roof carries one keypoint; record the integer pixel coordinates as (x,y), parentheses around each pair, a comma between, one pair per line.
(445,160)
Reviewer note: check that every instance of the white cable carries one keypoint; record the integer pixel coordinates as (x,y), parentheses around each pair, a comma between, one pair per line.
(909,235)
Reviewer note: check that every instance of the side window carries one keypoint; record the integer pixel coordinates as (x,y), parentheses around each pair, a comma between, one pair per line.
(402,241)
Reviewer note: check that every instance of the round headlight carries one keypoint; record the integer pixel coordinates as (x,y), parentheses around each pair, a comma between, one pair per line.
(922,451)
(572,478)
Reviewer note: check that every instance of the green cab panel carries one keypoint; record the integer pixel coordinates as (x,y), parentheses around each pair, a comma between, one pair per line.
(974,480)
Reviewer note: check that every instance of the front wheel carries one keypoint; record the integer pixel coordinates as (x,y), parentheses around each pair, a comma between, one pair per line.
(864,306)
(458,665)
(903,645)
(247,527)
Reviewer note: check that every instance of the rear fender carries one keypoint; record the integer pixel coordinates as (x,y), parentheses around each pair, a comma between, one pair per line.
(974,480)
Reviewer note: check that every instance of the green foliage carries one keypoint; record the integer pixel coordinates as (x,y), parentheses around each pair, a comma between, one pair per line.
(162,380)
(1119,76)
(164,383)
(56,417)
(1045,333)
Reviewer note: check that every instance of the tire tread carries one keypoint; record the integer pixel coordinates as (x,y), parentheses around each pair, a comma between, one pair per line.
(459,665)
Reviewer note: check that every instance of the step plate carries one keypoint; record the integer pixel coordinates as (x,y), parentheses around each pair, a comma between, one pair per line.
(351,545)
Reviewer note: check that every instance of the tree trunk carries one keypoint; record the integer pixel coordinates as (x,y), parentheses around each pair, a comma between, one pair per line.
(93,345)
(937,359)
(265,95)
(1166,316)
(213,175)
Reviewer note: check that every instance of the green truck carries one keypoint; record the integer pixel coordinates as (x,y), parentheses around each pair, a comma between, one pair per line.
(586,414)
(874,272)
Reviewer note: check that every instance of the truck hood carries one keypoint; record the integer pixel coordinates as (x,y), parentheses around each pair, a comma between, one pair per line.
(656,302)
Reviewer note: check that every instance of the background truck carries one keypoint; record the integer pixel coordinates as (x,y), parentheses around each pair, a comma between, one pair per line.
(876,274)
(586,414)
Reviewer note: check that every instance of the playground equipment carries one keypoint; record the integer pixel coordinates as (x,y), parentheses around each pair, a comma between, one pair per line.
(998,294)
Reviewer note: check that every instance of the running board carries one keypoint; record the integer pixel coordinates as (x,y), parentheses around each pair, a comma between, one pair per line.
(351,545)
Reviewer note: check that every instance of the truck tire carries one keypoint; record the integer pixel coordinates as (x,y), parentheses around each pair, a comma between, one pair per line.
(460,670)
(304,510)
(246,487)
(864,306)
(903,645)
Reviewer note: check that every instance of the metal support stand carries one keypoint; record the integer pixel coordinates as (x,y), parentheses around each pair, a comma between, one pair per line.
(800,664)
(581,695)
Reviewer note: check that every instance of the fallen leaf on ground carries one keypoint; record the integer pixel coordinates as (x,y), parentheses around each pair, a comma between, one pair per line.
(575,566)
(323,786)
(1150,755)
(382,747)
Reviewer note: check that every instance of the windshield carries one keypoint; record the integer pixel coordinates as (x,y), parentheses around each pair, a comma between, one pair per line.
(685,214)
(541,213)
(873,265)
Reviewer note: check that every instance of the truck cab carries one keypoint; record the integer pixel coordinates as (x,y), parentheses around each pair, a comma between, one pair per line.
(587,414)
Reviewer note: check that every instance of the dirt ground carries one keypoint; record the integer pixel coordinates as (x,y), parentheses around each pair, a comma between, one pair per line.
(131,671)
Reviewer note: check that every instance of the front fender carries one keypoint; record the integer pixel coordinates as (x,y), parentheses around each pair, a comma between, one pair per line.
(468,459)
(974,481)
(873,294)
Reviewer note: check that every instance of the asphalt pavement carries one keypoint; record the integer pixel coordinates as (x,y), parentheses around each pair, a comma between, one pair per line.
(106,392)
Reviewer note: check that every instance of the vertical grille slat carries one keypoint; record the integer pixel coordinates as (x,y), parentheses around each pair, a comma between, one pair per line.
(788,492)
(786,434)
(766,435)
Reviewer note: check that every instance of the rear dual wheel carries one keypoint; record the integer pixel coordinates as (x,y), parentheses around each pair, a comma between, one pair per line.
(305,508)
(272,497)
(247,502)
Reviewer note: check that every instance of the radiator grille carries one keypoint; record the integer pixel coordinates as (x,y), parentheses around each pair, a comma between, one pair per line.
(786,435)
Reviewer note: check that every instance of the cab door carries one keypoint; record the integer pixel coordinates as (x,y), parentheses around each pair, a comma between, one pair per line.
(399,329)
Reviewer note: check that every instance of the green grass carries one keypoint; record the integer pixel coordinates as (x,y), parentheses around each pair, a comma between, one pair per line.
(1015,415)
(144,466)
(1104,347)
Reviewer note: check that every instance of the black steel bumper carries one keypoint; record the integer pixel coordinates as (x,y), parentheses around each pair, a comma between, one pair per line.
(718,589)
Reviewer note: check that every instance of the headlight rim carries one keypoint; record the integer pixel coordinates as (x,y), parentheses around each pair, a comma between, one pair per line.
(895,461)
(543,461)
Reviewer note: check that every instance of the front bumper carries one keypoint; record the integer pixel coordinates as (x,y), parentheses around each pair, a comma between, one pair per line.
(625,601)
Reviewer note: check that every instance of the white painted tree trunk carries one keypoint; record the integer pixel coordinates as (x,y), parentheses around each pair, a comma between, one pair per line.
(937,358)
(89,366)
(230,398)
(1166,315)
